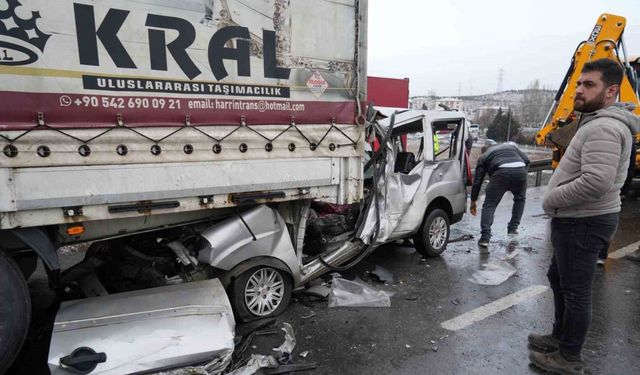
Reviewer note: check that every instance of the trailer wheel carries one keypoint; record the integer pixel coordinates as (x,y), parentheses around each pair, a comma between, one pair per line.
(15,311)
(433,236)
(260,292)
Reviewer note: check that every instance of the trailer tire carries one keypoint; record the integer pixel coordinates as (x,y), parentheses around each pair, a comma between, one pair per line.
(15,311)
(433,236)
(260,292)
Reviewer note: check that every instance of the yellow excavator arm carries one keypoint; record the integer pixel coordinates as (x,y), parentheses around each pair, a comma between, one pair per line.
(605,41)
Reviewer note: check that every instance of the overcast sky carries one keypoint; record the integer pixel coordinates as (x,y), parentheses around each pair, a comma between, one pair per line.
(445,45)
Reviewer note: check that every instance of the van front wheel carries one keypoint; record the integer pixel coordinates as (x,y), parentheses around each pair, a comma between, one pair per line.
(261,292)
(433,236)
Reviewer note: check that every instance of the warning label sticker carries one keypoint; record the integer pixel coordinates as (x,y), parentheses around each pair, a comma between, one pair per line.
(317,84)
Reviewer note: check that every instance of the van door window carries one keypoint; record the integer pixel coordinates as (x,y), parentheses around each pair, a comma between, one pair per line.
(447,139)
(408,144)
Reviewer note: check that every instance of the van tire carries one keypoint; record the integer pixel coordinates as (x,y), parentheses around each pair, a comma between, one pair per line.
(240,297)
(433,236)
(15,312)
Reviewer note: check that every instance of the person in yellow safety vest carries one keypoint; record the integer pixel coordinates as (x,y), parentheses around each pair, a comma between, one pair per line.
(436,145)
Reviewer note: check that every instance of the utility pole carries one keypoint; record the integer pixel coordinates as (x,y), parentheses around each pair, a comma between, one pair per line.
(509,126)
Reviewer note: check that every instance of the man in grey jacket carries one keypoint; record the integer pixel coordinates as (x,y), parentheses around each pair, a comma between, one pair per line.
(583,200)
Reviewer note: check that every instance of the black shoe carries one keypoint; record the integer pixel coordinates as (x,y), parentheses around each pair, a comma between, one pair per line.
(544,343)
(600,262)
(555,363)
(483,242)
(512,232)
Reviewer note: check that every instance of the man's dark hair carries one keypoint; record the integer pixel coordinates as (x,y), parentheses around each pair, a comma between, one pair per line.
(611,70)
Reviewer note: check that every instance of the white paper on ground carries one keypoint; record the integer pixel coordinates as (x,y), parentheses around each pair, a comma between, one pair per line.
(493,273)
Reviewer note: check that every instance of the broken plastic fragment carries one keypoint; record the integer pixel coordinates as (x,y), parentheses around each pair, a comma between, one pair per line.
(345,293)
(289,340)
(255,363)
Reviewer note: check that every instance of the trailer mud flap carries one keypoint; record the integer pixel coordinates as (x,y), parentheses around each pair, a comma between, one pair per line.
(159,328)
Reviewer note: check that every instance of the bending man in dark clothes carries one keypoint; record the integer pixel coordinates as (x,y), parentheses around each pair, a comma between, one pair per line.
(507,169)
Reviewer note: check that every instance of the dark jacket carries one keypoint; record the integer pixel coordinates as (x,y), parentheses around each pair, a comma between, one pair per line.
(491,160)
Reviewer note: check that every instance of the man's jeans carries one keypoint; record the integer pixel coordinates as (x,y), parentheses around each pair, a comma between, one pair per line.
(501,181)
(576,243)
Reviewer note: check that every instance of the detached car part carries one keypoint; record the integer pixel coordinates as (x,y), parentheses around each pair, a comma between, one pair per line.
(158,328)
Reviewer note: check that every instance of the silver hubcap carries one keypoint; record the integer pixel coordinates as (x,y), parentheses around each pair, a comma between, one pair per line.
(438,232)
(264,291)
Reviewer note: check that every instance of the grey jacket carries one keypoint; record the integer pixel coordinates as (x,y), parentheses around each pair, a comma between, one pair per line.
(588,179)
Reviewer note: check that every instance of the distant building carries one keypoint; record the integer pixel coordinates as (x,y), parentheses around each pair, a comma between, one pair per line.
(423,102)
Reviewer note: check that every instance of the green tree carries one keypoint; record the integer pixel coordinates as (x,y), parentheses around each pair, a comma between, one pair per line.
(503,124)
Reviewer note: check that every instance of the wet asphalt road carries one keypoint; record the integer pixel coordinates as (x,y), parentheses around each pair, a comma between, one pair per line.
(398,340)
(407,338)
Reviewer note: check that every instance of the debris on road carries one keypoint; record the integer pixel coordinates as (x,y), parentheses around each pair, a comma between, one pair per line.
(464,237)
(255,363)
(345,293)
(246,329)
(383,274)
(311,315)
(279,363)
(297,367)
(320,291)
(493,273)
(288,345)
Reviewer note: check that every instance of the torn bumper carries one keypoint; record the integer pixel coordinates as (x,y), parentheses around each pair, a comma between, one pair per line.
(166,327)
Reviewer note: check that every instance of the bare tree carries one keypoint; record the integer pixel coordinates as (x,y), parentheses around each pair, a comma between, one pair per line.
(534,105)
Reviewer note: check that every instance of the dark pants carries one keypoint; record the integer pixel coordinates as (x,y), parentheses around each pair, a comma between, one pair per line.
(501,181)
(576,244)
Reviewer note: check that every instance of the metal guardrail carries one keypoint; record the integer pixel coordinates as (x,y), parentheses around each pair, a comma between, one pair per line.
(537,166)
